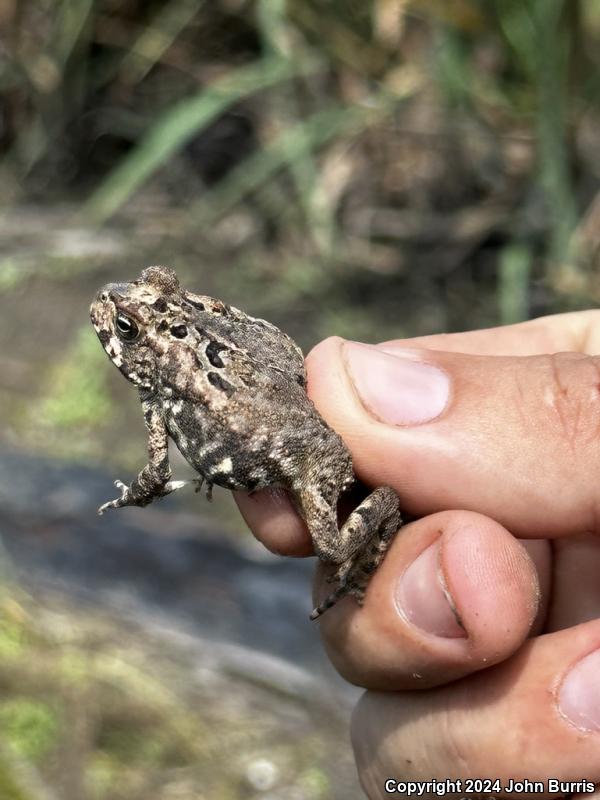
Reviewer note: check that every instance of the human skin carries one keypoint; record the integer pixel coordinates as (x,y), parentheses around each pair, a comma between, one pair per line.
(479,639)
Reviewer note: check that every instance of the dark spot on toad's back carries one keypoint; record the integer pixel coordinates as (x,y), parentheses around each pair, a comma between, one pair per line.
(212,353)
(179,331)
(219,383)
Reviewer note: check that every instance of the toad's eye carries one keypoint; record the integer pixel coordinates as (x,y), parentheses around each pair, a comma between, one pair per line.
(127,328)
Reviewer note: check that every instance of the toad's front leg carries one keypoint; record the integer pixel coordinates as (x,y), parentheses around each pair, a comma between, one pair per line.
(154,480)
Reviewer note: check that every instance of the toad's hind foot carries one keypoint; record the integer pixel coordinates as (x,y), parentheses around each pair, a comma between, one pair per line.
(378,513)
(329,601)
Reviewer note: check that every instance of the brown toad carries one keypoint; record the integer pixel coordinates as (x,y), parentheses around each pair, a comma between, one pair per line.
(230,390)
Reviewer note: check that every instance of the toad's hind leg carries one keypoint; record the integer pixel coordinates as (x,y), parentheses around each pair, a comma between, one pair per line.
(359,546)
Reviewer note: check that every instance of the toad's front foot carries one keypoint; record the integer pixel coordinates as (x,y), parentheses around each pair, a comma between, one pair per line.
(129,497)
(124,500)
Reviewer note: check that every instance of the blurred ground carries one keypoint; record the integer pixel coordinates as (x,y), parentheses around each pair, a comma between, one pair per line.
(148,656)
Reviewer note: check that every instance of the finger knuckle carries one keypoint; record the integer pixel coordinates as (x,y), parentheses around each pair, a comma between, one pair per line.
(571,396)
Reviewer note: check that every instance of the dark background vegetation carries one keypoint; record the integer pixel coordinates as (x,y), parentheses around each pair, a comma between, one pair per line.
(367,168)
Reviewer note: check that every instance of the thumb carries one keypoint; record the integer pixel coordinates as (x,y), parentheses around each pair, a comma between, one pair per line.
(515,438)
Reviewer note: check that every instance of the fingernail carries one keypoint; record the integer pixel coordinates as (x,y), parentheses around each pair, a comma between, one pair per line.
(579,694)
(422,597)
(400,390)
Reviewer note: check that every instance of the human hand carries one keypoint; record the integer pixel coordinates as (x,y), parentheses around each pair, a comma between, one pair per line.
(487,422)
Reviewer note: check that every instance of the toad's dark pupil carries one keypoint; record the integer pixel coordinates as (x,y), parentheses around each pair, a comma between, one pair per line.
(127,328)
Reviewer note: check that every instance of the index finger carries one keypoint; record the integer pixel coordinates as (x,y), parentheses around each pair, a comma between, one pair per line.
(578,331)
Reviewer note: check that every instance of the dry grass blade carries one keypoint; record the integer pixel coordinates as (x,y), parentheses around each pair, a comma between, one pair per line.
(156,38)
(292,143)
